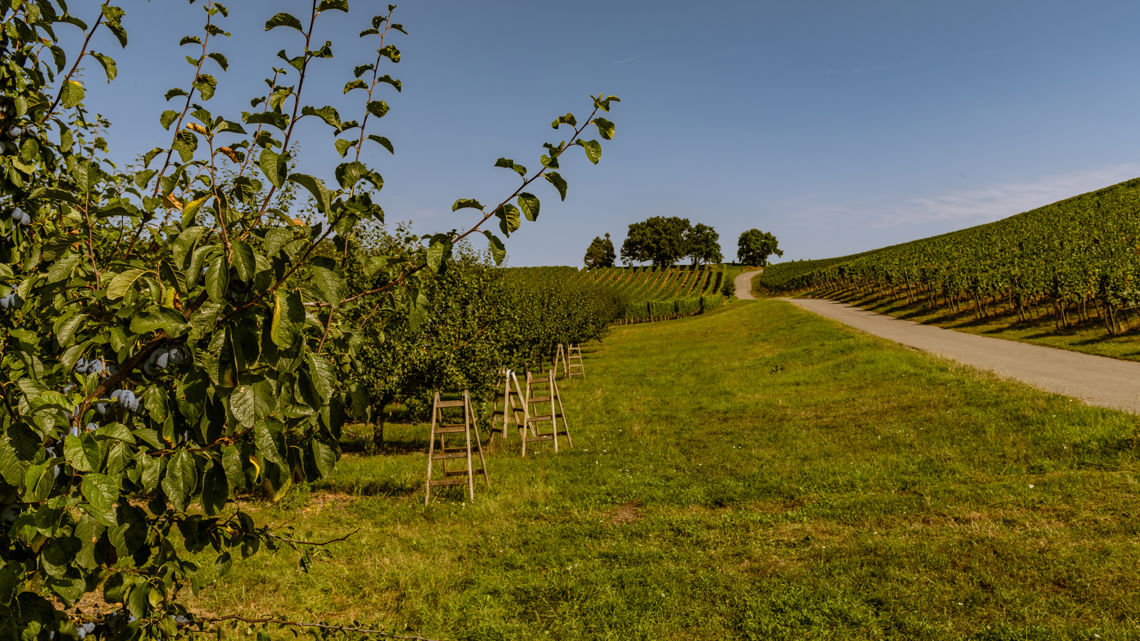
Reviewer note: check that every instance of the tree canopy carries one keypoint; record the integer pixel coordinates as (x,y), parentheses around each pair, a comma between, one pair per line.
(704,244)
(755,246)
(659,240)
(600,253)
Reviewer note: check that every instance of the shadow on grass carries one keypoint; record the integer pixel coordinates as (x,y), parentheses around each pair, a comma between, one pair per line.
(375,487)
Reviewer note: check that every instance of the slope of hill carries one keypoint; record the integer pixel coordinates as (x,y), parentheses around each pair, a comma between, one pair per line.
(651,293)
(1071,261)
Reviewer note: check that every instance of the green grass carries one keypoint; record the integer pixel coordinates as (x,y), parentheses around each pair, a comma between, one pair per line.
(752,473)
(1090,337)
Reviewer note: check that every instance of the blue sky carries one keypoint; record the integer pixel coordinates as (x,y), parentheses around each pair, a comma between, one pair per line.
(839,126)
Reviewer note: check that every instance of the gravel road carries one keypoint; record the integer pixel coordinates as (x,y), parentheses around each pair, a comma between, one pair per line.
(743,284)
(1096,380)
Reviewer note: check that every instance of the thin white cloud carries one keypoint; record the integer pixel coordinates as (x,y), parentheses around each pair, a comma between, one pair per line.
(1000,201)
(625,60)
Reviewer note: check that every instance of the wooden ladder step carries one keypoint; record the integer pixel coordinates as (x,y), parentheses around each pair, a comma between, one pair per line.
(541,379)
(450,429)
(447,456)
(540,399)
(456,481)
(542,417)
(458,403)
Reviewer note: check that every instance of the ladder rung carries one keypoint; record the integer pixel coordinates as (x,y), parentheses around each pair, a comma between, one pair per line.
(435,482)
(543,379)
(543,417)
(448,456)
(450,429)
(540,399)
(459,403)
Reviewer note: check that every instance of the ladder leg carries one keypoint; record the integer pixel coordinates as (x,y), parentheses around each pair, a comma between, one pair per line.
(562,410)
(431,447)
(506,402)
(479,445)
(553,418)
(467,434)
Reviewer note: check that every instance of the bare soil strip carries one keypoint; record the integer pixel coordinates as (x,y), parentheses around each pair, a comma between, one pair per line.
(743,284)
(1096,380)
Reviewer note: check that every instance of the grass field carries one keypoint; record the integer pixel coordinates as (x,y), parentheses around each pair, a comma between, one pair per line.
(752,473)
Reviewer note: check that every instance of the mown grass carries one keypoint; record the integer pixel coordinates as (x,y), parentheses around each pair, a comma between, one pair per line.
(1090,337)
(752,473)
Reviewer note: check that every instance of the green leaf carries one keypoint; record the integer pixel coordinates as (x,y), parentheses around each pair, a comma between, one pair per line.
(316,188)
(508,216)
(113,19)
(342,146)
(82,452)
(215,490)
(498,250)
(354,84)
(378,108)
(568,119)
(243,405)
(288,319)
(557,181)
(284,20)
(437,252)
(101,492)
(243,261)
(167,118)
(333,5)
(191,209)
(510,164)
(122,283)
(62,268)
(273,165)
(529,205)
(180,480)
(220,59)
(605,128)
(206,85)
(593,149)
(383,142)
(327,114)
(231,463)
(160,318)
(71,94)
(323,375)
(347,174)
(467,203)
(329,283)
(266,446)
(218,279)
(108,64)
(66,326)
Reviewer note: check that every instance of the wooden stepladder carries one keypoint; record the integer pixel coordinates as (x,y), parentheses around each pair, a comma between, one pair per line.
(569,357)
(561,362)
(574,364)
(508,405)
(533,420)
(441,430)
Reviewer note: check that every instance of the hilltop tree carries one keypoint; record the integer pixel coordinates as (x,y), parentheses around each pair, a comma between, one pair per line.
(659,240)
(703,244)
(755,246)
(600,253)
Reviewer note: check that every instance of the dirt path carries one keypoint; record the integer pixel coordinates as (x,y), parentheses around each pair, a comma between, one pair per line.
(743,284)
(1096,380)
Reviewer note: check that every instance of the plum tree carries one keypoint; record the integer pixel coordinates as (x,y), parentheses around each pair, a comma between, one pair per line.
(165,336)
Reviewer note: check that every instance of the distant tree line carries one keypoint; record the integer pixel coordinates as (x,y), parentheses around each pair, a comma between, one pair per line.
(664,241)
